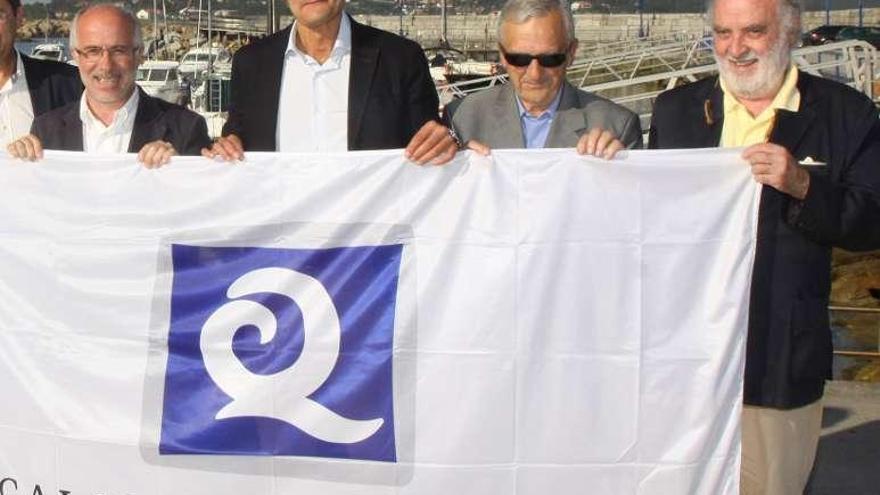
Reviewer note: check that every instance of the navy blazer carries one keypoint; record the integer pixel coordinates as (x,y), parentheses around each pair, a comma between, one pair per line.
(390,90)
(789,351)
(50,84)
(156,119)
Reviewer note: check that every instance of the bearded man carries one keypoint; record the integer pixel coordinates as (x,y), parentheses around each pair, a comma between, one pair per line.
(815,146)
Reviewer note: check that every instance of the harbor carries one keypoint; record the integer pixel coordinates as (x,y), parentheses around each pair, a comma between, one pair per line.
(629,58)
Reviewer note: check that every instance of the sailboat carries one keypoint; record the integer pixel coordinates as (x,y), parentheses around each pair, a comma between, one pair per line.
(161,78)
(47,50)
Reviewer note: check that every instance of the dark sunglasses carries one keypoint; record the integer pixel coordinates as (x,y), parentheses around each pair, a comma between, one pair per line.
(547,60)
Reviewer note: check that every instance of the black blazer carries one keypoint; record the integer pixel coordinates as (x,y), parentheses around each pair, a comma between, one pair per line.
(61,129)
(788,355)
(390,91)
(50,84)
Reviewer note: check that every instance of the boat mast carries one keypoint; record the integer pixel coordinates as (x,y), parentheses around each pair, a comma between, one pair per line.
(199,24)
(155,31)
(165,25)
(444,41)
(272,17)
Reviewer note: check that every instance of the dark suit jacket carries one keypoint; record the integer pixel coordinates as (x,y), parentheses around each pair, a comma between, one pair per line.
(390,90)
(50,84)
(789,351)
(492,118)
(61,129)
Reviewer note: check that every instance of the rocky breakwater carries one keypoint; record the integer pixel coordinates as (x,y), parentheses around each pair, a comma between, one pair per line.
(855,283)
(43,28)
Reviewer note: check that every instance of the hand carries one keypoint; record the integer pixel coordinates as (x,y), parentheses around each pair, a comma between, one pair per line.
(228,148)
(478,147)
(156,154)
(432,143)
(599,143)
(26,148)
(773,165)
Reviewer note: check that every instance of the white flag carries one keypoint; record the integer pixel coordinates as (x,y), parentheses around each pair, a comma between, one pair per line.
(524,323)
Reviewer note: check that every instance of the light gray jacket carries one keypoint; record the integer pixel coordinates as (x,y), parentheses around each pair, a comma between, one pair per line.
(492,118)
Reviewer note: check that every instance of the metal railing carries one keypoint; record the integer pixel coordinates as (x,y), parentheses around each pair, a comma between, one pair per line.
(856,309)
(648,57)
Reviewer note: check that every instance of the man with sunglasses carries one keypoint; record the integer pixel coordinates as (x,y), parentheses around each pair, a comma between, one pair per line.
(113,115)
(539,108)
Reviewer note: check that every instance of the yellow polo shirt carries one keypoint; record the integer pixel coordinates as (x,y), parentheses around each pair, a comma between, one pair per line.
(741,129)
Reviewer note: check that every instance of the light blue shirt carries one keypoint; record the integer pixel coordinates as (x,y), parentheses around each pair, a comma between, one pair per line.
(536,129)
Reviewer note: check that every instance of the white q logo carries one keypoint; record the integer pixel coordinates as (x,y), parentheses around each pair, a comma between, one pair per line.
(282,395)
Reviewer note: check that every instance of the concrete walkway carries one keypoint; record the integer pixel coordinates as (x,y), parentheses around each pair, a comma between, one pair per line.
(848,461)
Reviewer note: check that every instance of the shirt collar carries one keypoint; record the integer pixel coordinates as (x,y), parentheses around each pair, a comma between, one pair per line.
(548,114)
(19,67)
(787,98)
(17,75)
(124,115)
(342,45)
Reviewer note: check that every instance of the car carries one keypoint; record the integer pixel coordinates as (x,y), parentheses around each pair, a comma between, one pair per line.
(821,35)
(829,34)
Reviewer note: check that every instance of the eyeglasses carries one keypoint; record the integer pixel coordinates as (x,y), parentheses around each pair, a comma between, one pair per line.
(546,60)
(116,52)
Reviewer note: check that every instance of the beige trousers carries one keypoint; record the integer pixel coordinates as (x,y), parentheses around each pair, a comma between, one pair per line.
(778,449)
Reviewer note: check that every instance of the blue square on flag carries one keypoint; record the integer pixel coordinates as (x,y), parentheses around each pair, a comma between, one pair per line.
(283,352)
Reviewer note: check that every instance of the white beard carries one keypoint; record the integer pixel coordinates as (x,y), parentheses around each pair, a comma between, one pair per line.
(769,71)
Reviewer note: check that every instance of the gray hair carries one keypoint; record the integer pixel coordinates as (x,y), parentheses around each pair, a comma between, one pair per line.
(520,11)
(789,18)
(137,36)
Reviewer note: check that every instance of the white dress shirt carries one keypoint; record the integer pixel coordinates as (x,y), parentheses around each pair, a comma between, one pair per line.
(114,138)
(313,105)
(16,109)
